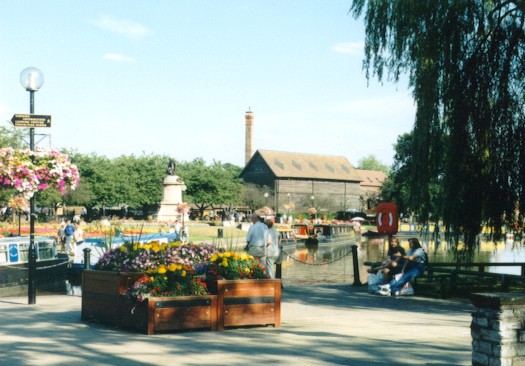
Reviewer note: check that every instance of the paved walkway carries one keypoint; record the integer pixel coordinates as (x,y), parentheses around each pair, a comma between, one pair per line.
(328,325)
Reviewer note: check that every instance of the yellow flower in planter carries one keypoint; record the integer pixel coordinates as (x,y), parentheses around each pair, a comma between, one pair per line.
(181,282)
(162,269)
(234,266)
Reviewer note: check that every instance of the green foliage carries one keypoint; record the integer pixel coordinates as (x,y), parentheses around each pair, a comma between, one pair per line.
(465,65)
(13,137)
(127,180)
(253,195)
(371,162)
(211,186)
(177,281)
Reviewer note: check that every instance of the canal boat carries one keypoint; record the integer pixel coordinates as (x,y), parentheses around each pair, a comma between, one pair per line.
(315,233)
(51,268)
(286,235)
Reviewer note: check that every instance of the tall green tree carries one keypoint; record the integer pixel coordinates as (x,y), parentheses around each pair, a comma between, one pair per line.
(465,63)
(371,162)
(217,185)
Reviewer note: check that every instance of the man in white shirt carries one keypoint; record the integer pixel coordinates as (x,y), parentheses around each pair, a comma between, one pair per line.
(257,239)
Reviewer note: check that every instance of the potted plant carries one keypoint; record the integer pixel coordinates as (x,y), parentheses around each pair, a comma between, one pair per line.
(245,294)
(105,287)
(172,298)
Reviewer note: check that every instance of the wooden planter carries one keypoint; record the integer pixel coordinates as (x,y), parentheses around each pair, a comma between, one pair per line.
(101,294)
(247,302)
(158,314)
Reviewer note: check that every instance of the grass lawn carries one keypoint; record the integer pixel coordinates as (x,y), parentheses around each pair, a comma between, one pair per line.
(210,234)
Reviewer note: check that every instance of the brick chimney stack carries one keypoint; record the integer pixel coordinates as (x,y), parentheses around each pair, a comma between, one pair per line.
(248,140)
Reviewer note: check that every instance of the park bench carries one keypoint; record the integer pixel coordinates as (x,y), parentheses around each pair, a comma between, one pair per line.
(438,280)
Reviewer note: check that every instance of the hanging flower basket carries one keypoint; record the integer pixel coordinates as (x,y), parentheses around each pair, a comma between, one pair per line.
(29,171)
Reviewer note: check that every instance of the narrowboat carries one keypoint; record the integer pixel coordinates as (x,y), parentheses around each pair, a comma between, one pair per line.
(323,232)
(51,268)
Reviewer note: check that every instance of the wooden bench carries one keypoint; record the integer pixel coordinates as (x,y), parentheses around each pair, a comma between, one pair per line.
(447,280)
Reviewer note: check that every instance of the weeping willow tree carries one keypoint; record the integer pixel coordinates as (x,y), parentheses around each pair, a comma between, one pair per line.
(465,64)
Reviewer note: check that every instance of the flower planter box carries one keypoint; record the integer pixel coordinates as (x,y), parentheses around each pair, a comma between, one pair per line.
(247,302)
(101,294)
(157,314)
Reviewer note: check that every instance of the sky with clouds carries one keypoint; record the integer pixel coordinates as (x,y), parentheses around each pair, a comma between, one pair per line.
(176,78)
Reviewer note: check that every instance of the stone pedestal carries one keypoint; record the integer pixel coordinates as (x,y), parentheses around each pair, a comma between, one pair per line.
(498,329)
(171,197)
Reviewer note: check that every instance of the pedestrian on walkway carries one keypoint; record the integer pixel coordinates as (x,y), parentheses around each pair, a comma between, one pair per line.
(78,235)
(69,231)
(257,238)
(272,249)
(61,236)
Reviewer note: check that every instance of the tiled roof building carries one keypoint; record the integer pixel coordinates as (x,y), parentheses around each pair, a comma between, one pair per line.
(330,183)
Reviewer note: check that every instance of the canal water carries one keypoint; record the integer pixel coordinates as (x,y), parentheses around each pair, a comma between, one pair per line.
(333,262)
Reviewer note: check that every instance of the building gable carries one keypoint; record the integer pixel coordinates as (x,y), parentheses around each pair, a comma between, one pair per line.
(286,165)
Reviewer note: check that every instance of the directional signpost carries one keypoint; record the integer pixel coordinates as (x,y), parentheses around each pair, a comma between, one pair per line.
(31,120)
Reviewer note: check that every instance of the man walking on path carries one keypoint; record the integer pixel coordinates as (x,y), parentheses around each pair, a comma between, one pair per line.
(69,231)
(257,239)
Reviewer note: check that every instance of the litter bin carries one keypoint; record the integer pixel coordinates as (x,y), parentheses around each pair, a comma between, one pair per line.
(219,233)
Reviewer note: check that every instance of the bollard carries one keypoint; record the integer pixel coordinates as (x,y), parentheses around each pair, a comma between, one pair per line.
(357,280)
(87,257)
(219,233)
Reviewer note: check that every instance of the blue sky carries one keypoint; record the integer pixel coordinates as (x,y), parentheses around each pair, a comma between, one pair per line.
(176,78)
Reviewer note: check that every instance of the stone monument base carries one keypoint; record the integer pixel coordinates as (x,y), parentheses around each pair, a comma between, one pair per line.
(171,198)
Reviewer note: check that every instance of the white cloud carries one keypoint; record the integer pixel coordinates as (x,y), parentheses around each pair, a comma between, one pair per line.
(349,48)
(118,58)
(123,27)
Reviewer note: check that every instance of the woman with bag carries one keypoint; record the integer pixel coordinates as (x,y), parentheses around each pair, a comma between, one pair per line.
(272,249)
(415,265)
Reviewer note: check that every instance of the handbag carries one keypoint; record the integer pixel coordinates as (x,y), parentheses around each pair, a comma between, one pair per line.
(256,251)
(407,287)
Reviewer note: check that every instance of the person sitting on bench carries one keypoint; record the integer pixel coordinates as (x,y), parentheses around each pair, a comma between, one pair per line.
(415,265)
(393,262)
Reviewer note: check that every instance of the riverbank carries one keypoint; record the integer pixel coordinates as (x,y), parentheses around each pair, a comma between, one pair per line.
(321,325)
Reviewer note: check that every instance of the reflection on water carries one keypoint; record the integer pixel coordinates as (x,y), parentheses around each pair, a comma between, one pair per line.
(333,263)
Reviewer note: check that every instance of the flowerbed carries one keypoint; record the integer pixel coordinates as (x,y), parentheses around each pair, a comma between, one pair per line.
(165,282)
(234,266)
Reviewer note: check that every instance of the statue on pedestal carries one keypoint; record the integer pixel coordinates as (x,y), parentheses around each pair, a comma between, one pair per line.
(172,195)
(171,167)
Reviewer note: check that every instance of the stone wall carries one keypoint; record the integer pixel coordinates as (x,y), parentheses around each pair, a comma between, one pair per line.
(498,330)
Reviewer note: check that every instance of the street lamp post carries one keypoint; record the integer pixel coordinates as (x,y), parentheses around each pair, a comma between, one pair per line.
(31,79)
(312,198)
(266,196)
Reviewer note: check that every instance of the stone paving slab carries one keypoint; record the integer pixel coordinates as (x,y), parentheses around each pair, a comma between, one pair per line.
(321,325)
